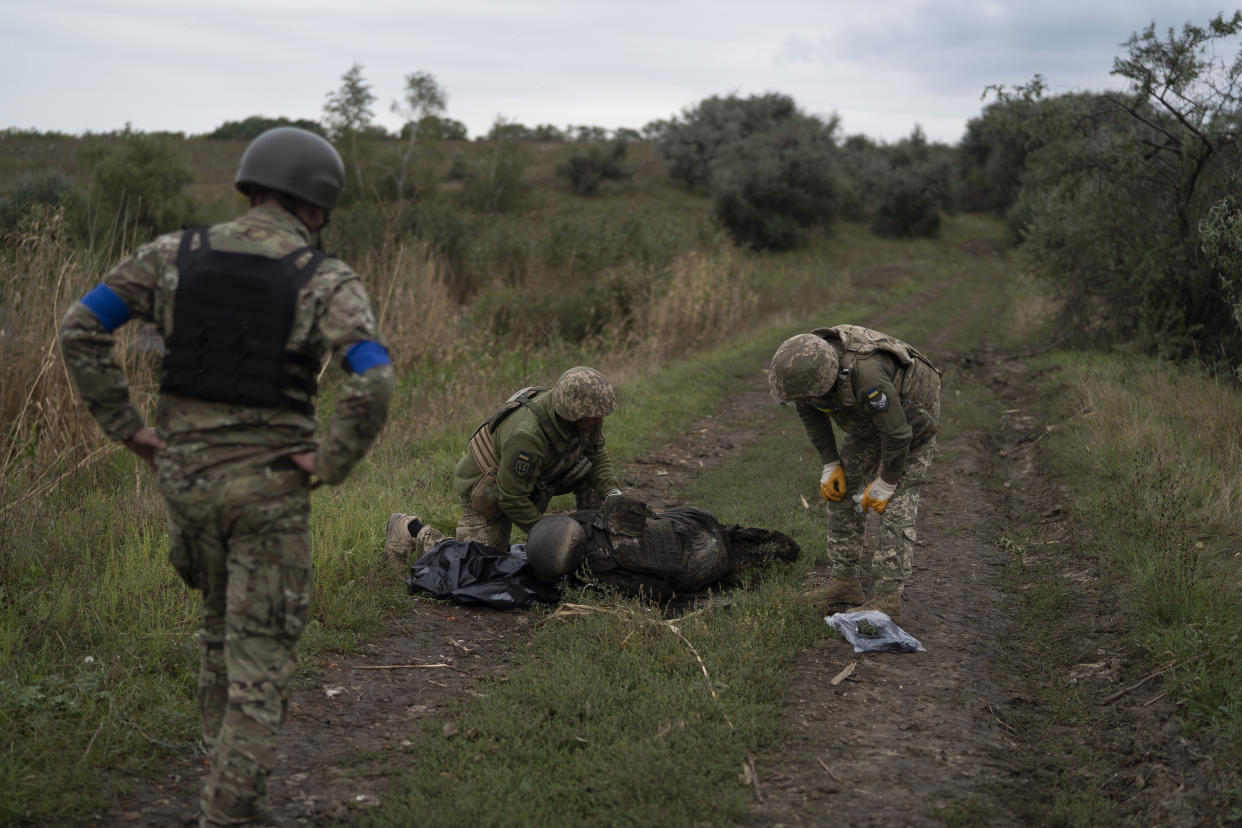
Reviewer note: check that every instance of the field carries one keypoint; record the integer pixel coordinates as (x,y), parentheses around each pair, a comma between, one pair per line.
(1081,622)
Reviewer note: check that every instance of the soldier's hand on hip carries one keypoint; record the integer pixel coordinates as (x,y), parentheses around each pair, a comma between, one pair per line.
(145,443)
(877,495)
(832,482)
(306,462)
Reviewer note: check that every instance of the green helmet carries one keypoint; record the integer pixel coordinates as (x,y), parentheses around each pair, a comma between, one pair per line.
(804,366)
(296,162)
(583,392)
(555,546)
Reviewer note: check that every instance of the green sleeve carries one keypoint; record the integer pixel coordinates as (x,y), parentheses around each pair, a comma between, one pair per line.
(603,475)
(878,396)
(362,409)
(818,427)
(521,458)
(87,346)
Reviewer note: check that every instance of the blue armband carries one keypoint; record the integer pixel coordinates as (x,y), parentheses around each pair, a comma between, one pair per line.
(109,309)
(363,356)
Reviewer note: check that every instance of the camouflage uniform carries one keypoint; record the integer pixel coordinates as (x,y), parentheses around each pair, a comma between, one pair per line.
(238,508)
(535,454)
(885,397)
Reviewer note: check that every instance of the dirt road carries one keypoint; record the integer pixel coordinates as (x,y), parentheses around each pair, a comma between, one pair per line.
(920,739)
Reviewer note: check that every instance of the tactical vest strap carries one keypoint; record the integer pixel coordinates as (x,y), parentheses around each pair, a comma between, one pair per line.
(568,467)
(483,449)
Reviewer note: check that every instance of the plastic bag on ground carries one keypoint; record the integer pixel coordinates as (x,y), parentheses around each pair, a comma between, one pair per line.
(878,635)
(471,573)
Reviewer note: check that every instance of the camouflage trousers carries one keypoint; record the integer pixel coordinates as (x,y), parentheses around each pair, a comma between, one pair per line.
(494,530)
(245,544)
(892,560)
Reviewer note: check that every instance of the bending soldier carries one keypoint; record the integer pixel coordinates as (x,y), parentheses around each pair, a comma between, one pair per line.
(541,443)
(885,397)
(248,311)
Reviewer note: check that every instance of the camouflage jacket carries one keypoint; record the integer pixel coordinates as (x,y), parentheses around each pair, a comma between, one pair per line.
(529,459)
(884,390)
(213,441)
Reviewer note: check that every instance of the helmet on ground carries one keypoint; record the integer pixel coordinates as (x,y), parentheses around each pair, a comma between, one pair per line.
(804,366)
(555,546)
(296,162)
(583,392)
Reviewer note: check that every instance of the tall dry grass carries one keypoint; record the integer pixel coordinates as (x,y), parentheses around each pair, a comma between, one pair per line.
(707,299)
(47,435)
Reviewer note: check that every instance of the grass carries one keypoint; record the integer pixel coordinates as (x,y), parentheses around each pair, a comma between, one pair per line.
(1156,449)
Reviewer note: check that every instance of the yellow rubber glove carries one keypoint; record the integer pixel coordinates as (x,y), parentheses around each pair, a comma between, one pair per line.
(832,482)
(877,496)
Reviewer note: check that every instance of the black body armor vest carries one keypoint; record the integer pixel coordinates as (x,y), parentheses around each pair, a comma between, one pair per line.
(232,317)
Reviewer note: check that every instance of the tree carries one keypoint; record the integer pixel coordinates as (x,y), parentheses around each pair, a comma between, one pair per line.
(422,98)
(1116,187)
(348,114)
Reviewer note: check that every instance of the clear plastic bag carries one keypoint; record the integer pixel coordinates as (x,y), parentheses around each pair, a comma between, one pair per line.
(878,634)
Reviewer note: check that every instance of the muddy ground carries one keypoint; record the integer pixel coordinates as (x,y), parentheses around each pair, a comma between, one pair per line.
(899,740)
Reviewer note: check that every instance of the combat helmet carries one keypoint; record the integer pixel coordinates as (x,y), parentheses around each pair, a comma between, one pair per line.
(583,392)
(804,366)
(555,546)
(296,162)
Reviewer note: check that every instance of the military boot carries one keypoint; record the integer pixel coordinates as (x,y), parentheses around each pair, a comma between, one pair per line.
(888,603)
(398,541)
(837,591)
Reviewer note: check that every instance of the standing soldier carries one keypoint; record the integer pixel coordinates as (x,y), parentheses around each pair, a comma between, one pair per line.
(885,397)
(248,311)
(541,443)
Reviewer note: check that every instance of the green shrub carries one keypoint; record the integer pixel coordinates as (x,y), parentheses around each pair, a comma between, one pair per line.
(770,188)
(909,205)
(496,183)
(139,180)
(587,169)
(691,143)
(46,188)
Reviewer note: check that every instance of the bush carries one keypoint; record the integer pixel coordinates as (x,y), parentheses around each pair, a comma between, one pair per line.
(46,188)
(140,181)
(495,184)
(770,188)
(909,205)
(587,169)
(691,144)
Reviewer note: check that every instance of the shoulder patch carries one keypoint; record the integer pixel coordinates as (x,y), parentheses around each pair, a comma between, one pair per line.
(877,399)
(521,464)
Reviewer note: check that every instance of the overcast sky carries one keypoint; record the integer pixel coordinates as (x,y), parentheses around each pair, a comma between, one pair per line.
(881,65)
